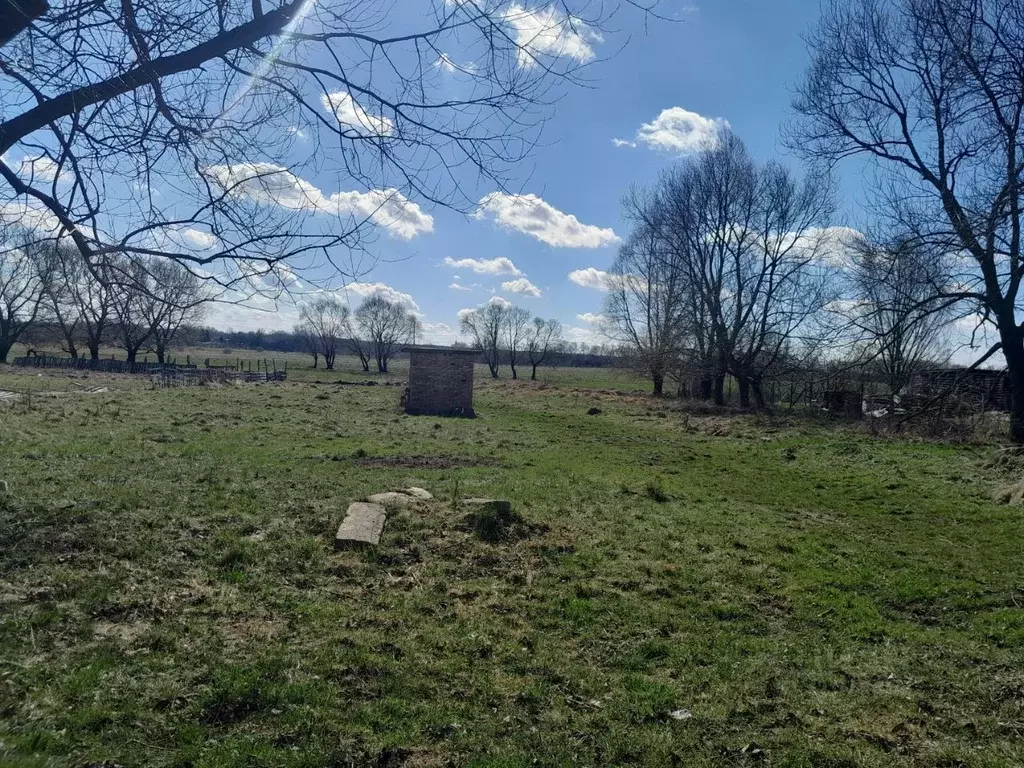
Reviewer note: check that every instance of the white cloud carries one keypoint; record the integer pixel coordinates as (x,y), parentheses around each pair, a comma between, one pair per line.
(36,169)
(200,239)
(530,215)
(679,130)
(588,336)
(497,266)
(522,286)
(349,113)
(29,214)
(183,238)
(457,287)
(271,184)
(446,63)
(593,319)
(549,32)
(591,278)
(298,132)
(830,246)
(498,300)
(437,333)
(365,290)
(624,143)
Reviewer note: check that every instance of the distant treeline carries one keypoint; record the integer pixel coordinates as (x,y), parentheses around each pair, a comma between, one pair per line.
(573,354)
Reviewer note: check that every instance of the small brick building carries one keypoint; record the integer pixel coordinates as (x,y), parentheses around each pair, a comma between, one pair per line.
(440,381)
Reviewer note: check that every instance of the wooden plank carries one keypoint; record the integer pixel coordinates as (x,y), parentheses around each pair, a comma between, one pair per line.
(362,526)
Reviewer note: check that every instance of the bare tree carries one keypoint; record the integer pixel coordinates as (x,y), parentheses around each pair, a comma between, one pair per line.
(892,314)
(415,328)
(174,300)
(23,282)
(484,325)
(184,99)
(308,341)
(129,279)
(740,255)
(361,348)
(92,290)
(544,339)
(515,334)
(386,325)
(931,90)
(328,319)
(646,304)
(63,270)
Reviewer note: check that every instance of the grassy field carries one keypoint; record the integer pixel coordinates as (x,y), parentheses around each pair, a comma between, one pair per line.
(682,589)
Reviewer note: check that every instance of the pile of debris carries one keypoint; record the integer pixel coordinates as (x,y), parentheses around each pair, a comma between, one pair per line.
(364,520)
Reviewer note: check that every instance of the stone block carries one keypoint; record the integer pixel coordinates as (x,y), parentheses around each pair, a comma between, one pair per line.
(362,526)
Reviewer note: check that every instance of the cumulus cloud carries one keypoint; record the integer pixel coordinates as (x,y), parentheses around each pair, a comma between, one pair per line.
(365,290)
(184,238)
(349,114)
(457,287)
(495,300)
(28,213)
(530,215)
(497,266)
(591,318)
(522,286)
(591,278)
(270,184)
(548,32)
(438,333)
(445,63)
(680,131)
(624,143)
(36,169)
(830,246)
(589,336)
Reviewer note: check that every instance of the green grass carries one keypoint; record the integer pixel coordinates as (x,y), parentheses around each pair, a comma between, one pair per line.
(169,595)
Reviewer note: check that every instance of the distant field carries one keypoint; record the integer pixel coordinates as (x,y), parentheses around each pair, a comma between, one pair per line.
(300,367)
(683,590)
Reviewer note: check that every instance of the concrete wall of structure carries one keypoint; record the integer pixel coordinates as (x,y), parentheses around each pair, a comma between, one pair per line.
(440,383)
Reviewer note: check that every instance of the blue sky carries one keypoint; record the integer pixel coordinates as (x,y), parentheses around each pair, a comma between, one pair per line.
(727,61)
(655,88)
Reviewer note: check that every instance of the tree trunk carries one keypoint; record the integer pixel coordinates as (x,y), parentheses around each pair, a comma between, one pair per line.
(5,349)
(744,383)
(161,354)
(329,361)
(514,374)
(719,390)
(131,354)
(316,359)
(705,389)
(94,350)
(72,349)
(757,390)
(533,376)
(1013,351)
(659,384)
